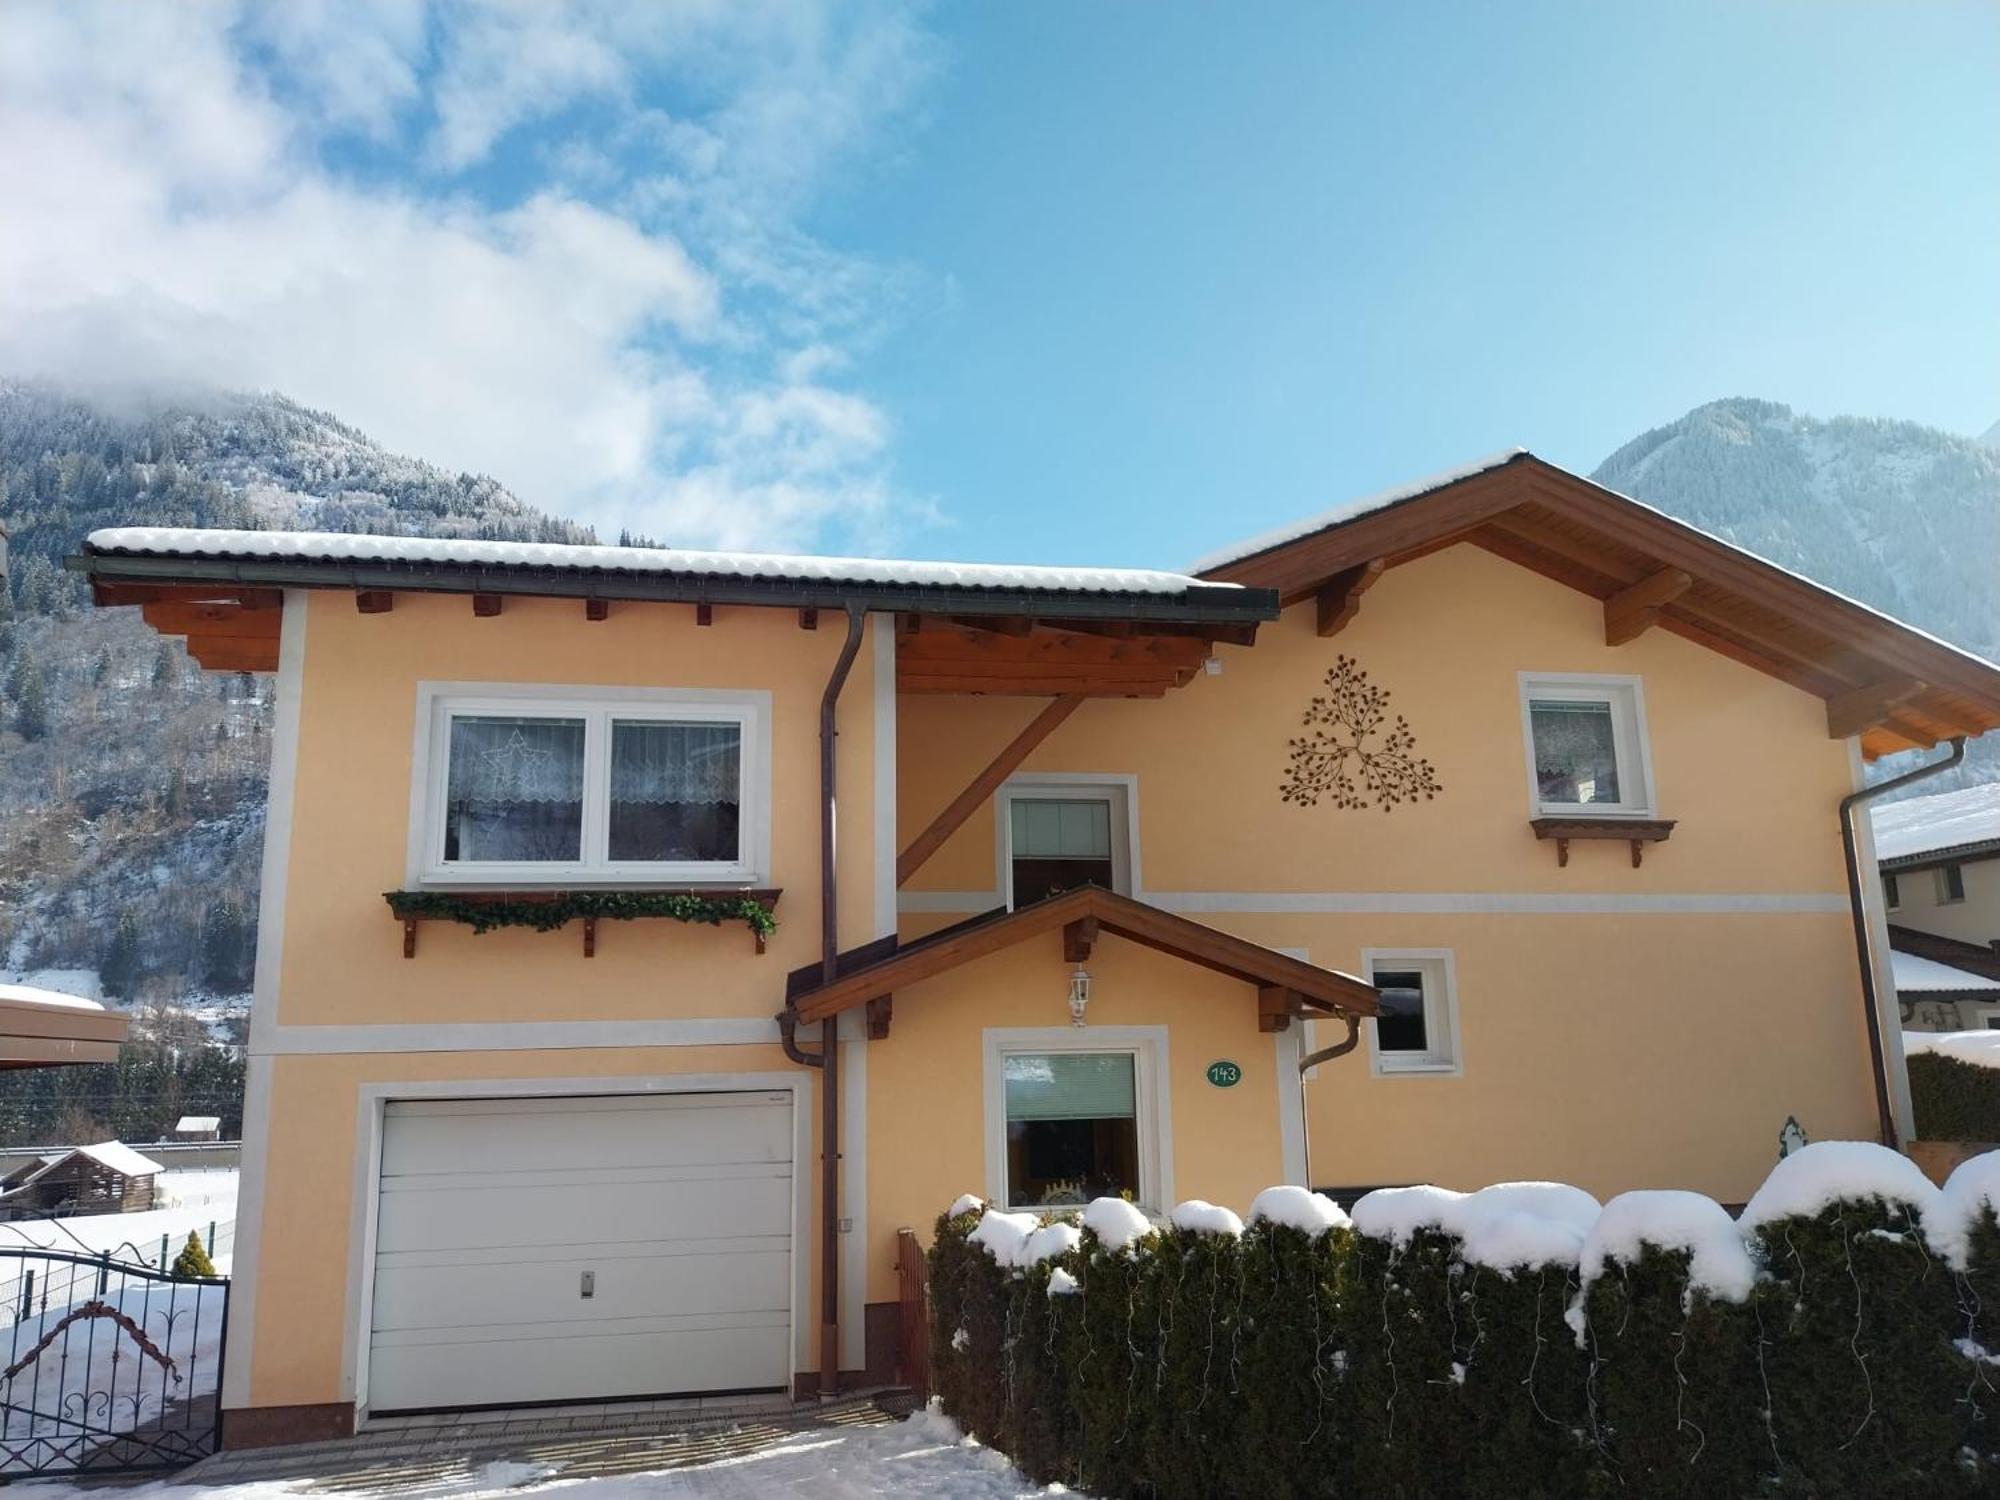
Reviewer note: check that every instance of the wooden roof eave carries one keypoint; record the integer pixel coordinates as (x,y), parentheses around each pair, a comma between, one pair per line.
(1163,931)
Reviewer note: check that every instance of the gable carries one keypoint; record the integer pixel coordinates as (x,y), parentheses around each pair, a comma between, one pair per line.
(1894,686)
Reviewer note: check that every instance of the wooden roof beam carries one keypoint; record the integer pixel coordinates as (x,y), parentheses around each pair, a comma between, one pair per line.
(1864,708)
(1339,598)
(1633,610)
(982,786)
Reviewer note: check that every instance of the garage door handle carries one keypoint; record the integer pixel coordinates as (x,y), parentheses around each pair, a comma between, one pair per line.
(589,1284)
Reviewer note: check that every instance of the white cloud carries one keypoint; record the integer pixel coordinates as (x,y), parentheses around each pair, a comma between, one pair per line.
(611,350)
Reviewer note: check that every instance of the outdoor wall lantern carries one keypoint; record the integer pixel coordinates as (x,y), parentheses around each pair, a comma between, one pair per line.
(1079,994)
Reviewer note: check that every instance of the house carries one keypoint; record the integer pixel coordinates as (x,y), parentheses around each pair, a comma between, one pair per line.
(198,1128)
(648,935)
(107,1178)
(1939,858)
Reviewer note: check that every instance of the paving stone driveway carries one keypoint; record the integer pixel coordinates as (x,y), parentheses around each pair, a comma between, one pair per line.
(432,1456)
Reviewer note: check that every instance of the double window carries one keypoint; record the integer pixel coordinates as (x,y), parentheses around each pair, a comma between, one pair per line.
(642,787)
(1586,739)
(1416,1030)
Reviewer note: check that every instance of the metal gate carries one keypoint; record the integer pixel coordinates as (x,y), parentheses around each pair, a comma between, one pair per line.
(111,1366)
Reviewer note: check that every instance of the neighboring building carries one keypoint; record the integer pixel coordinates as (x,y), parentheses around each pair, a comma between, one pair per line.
(108,1178)
(1518,789)
(198,1128)
(42,1029)
(1939,858)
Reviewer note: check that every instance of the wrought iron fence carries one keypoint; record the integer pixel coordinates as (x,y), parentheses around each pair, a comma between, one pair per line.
(112,1366)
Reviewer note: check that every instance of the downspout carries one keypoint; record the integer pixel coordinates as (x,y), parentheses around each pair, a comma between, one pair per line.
(1312,1060)
(827,1059)
(1870,999)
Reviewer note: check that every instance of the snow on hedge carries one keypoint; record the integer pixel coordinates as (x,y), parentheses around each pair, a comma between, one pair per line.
(1201,1217)
(966,1203)
(1002,1235)
(1062,1284)
(1815,1177)
(1297,1208)
(1980,1048)
(1395,1214)
(1521,1226)
(1719,1262)
(1117,1224)
(1972,1189)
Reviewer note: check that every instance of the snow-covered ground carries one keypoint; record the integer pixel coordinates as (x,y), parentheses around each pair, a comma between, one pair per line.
(197,1199)
(924,1456)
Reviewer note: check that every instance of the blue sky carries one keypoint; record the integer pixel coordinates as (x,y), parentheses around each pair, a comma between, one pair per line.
(1055,282)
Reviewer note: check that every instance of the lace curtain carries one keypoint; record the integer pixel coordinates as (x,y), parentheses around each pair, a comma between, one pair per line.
(1575,752)
(515,790)
(695,763)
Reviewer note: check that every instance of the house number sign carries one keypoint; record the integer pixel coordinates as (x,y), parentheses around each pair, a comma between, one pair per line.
(1224,1074)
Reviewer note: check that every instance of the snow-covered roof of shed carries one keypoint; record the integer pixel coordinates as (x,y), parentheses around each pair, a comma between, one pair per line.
(341,547)
(22,994)
(199,1122)
(115,1156)
(1931,825)
(1350,510)
(1916,973)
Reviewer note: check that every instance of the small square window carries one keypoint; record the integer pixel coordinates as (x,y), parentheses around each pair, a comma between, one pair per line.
(1892,892)
(1416,1030)
(1950,884)
(1586,745)
(1056,836)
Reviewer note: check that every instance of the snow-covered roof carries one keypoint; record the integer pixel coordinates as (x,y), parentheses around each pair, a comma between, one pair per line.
(120,1158)
(1980,1048)
(22,994)
(340,547)
(1352,510)
(198,1122)
(1930,825)
(1916,973)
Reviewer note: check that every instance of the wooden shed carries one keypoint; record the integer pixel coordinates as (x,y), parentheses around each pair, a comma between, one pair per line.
(107,1178)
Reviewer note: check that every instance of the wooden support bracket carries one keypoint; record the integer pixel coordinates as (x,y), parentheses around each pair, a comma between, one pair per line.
(1865,707)
(486,606)
(704,614)
(1340,596)
(374,601)
(808,619)
(879,1012)
(1632,611)
(1638,832)
(590,937)
(597,609)
(982,786)
(1275,1005)
(409,937)
(1078,939)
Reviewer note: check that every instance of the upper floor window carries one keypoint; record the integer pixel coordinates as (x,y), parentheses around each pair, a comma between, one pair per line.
(1950,884)
(1892,892)
(1055,836)
(1586,738)
(637,787)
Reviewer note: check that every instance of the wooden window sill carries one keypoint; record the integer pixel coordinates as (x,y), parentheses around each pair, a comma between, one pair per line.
(1638,832)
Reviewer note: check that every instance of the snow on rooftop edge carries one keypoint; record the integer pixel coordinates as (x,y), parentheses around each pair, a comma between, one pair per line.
(22,994)
(1350,510)
(1945,820)
(1914,972)
(315,546)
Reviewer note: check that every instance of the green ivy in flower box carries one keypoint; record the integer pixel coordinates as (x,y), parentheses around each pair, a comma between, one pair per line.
(546,913)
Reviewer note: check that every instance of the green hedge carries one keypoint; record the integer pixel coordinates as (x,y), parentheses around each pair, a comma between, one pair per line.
(1953,1100)
(1282,1364)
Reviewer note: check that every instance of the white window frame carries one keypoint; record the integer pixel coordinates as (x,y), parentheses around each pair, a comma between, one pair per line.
(1630,742)
(1152,1098)
(438,703)
(1941,882)
(1121,791)
(1446,1054)
(1988,1017)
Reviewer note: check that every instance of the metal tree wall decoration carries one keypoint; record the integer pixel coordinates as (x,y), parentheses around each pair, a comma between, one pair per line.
(1352,752)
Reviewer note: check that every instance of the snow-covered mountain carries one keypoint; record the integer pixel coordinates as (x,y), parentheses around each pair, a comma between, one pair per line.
(1900,516)
(132,786)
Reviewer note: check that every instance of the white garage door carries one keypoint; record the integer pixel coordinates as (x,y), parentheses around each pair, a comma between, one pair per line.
(582,1249)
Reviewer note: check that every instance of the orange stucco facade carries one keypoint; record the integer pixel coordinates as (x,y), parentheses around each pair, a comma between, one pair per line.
(1618,1027)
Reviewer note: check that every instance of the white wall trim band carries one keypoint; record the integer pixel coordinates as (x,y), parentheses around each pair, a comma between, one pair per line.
(515,1036)
(1429,903)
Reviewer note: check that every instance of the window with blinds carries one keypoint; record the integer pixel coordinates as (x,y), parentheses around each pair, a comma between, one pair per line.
(1058,843)
(1072,1126)
(1587,745)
